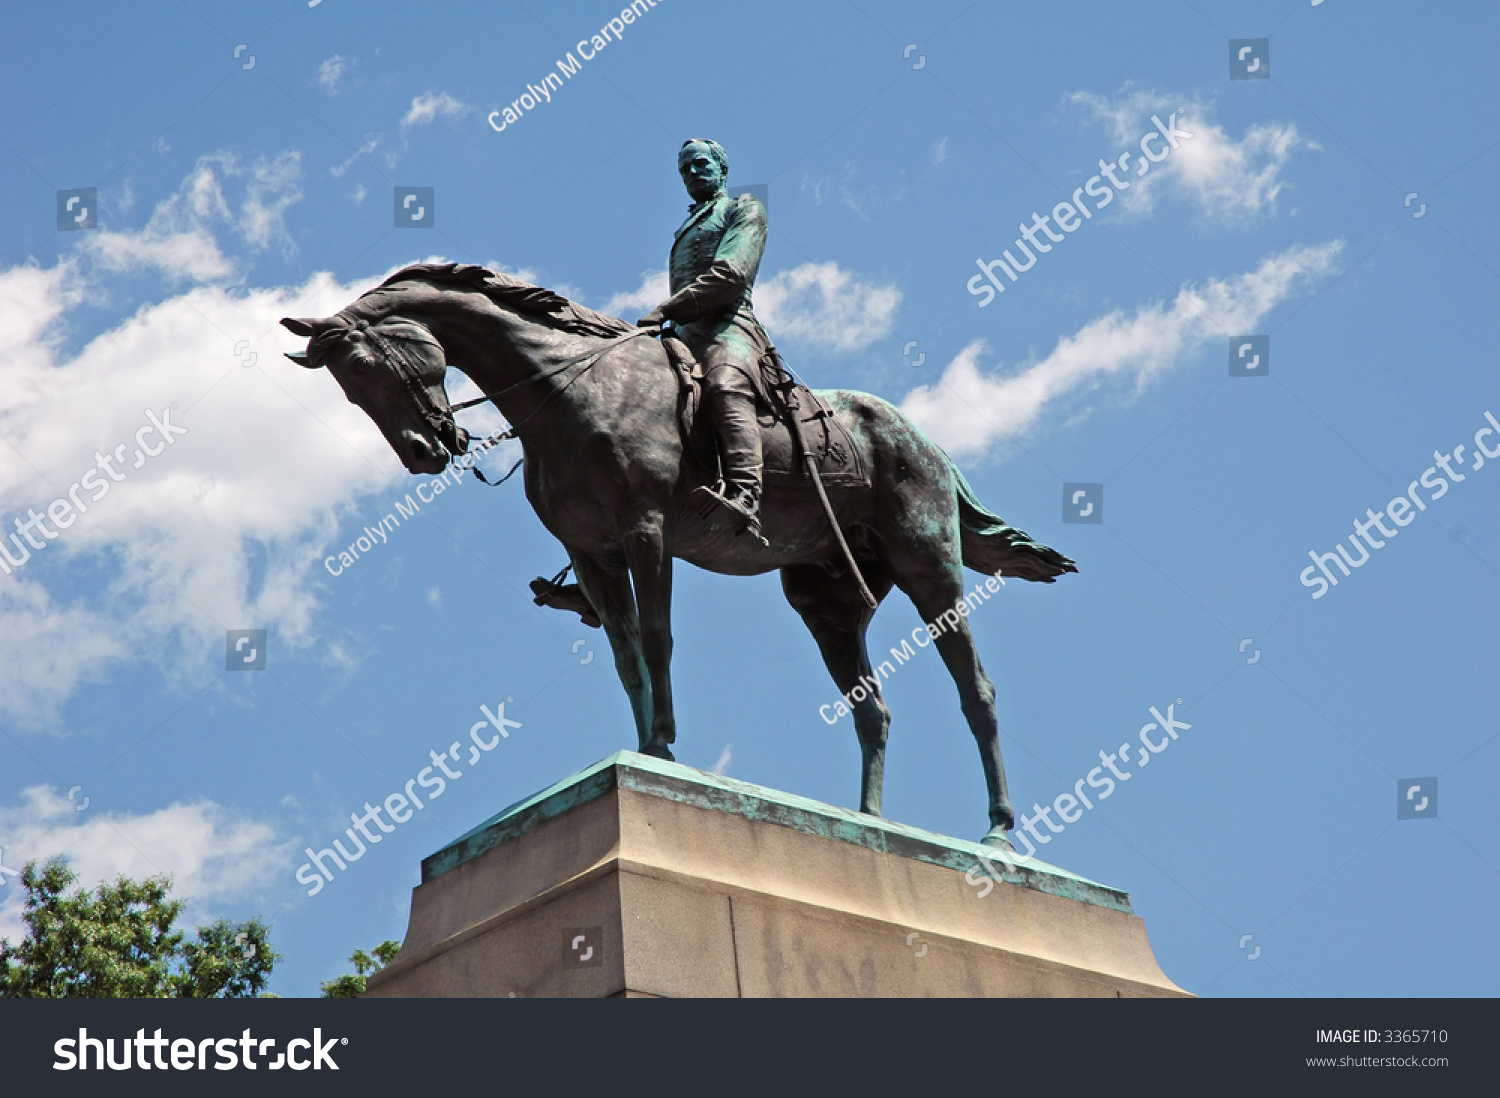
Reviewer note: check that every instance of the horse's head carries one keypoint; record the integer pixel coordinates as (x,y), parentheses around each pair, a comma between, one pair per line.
(393,369)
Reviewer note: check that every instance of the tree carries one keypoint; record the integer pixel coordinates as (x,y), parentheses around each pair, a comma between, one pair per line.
(351,986)
(118,942)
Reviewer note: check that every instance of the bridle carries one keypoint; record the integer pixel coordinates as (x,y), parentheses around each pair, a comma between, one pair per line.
(439,415)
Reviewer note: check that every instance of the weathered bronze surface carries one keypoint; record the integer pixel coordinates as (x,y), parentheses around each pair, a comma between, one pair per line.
(596,405)
(715,256)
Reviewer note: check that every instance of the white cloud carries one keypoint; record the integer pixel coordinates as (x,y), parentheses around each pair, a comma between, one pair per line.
(47,650)
(273,457)
(653,290)
(272,186)
(528,274)
(331,73)
(191,256)
(214,856)
(424,110)
(819,303)
(826,306)
(178,240)
(940,153)
(968,412)
(430,106)
(725,758)
(845,186)
(372,142)
(227,527)
(1227,179)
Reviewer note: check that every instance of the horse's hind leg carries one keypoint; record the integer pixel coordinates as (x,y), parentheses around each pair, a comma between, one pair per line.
(837,618)
(936,589)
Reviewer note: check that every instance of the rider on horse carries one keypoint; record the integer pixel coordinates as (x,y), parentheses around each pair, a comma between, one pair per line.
(715,255)
(714,259)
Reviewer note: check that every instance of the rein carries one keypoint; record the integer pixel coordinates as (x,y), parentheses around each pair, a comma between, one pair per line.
(441,419)
(587,361)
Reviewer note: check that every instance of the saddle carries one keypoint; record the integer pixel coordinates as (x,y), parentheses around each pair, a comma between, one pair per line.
(796,422)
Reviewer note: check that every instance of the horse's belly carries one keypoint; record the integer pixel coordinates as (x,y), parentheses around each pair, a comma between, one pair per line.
(798,534)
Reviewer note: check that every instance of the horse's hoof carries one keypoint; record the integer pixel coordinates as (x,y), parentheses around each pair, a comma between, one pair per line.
(659,751)
(999,838)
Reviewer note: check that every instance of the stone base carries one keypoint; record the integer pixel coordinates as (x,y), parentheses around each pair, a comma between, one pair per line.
(638,877)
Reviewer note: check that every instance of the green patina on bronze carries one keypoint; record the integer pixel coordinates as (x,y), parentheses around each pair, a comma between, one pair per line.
(702,789)
(616,473)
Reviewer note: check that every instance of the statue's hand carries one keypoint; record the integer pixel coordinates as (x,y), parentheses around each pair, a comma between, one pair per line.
(653,319)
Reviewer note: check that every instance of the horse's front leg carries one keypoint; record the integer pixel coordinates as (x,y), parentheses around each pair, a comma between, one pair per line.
(608,589)
(649,555)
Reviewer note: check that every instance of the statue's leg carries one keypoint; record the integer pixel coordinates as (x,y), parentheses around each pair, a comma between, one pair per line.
(608,589)
(729,398)
(837,617)
(651,567)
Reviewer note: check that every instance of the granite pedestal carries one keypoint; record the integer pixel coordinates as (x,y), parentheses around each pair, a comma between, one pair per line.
(637,877)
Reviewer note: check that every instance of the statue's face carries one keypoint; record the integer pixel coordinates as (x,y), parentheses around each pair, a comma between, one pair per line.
(701,173)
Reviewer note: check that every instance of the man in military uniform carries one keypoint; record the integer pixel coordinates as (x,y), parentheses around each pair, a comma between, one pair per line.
(715,256)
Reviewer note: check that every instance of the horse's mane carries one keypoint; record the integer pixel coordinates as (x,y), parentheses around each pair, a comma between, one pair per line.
(546,305)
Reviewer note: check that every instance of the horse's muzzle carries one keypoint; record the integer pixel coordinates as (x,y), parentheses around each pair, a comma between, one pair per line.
(422,456)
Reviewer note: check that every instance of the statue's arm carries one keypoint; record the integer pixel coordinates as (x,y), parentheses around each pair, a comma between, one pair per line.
(744,240)
(735,265)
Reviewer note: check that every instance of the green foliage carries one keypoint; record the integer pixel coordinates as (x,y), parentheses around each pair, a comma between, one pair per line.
(228,961)
(352,986)
(118,942)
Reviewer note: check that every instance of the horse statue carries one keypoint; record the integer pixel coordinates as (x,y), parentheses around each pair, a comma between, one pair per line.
(602,412)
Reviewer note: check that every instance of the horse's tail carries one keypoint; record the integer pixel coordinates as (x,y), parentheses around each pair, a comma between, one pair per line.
(990,546)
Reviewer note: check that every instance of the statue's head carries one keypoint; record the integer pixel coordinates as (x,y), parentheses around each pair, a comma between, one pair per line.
(704,166)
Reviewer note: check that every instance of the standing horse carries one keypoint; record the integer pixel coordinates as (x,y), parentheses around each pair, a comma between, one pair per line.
(594,403)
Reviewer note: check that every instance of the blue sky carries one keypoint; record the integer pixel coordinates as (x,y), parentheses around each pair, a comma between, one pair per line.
(228,196)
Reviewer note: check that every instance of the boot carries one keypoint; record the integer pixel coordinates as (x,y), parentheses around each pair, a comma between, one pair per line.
(739,453)
(743,504)
(565,596)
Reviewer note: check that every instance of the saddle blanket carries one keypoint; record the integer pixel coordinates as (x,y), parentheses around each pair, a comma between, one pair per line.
(798,423)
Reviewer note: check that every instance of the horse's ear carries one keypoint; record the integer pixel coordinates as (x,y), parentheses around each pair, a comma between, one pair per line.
(308,327)
(305,327)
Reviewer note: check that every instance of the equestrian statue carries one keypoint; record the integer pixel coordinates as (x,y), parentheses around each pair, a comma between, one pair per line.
(684,437)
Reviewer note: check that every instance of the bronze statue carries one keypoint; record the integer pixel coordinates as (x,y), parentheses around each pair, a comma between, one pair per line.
(616,461)
(715,255)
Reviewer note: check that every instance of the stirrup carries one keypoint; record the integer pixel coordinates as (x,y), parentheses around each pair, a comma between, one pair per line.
(568,596)
(744,506)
